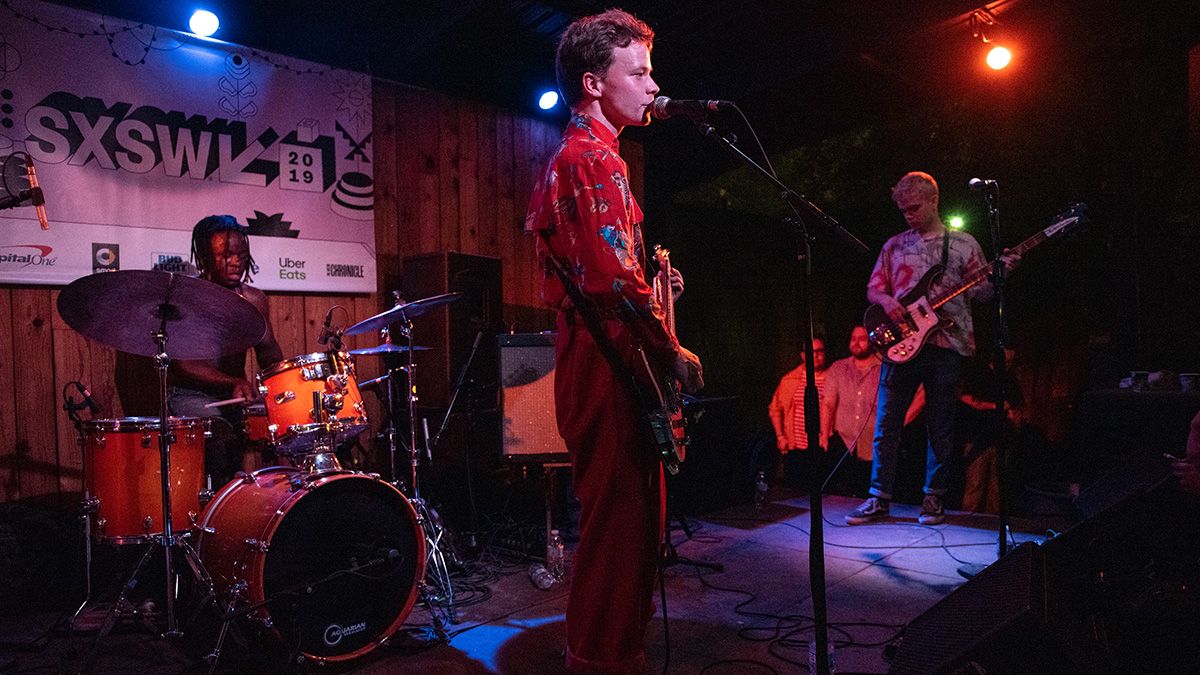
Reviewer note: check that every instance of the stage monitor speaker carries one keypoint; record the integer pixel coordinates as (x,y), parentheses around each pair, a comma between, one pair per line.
(528,426)
(1006,599)
(1044,608)
(449,331)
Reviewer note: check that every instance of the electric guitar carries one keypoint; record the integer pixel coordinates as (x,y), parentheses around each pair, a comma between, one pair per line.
(667,421)
(900,341)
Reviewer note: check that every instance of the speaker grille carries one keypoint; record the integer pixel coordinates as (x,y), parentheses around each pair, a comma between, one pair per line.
(528,428)
(1007,595)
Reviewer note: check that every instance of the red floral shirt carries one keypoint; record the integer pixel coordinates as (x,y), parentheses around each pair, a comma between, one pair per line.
(583,200)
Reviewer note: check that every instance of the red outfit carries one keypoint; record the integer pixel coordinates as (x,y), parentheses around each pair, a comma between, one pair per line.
(583,201)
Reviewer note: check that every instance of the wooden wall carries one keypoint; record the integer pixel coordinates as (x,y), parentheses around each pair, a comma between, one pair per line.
(450,175)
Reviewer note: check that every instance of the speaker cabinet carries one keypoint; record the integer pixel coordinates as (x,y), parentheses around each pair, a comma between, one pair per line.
(1111,594)
(450,330)
(528,426)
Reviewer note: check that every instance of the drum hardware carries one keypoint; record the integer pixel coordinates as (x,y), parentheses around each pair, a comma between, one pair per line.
(294,418)
(211,320)
(437,591)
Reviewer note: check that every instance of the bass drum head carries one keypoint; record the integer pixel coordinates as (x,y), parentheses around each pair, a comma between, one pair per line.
(320,603)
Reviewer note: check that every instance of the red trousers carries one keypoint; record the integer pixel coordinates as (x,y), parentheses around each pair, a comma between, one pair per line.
(618,480)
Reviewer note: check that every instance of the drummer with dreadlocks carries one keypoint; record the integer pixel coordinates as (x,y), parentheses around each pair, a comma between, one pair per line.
(221,252)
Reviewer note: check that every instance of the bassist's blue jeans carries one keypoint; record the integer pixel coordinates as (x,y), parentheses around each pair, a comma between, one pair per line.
(939,370)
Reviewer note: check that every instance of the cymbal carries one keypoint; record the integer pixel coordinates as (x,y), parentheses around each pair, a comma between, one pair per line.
(386,348)
(123,309)
(407,310)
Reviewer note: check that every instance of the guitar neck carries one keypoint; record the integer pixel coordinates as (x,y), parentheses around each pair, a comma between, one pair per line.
(662,288)
(981,274)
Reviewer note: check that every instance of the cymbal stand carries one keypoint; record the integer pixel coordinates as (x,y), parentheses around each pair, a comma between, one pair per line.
(437,590)
(167,540)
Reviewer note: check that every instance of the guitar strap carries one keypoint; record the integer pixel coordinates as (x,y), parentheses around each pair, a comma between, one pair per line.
(945,247)
(590,314)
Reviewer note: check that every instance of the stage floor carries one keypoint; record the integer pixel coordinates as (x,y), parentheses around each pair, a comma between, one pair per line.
(754,617)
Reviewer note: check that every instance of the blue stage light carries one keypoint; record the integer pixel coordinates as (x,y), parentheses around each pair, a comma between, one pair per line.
(204,23)
(548,100)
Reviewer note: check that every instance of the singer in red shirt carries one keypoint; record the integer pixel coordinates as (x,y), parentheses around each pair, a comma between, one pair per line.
(583,208)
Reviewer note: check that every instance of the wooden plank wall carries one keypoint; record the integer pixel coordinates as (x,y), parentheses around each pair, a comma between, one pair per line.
(450,175)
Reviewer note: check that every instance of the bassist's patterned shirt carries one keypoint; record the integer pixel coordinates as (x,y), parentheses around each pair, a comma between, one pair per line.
(583,200)
(907,256)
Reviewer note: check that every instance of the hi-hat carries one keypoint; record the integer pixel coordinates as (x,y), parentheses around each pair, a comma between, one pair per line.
(401,312)
(386,348)
(123,309)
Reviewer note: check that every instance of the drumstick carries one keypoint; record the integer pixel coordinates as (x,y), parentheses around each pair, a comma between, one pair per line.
(228,401)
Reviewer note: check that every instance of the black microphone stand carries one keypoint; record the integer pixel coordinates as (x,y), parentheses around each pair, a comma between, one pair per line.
(1000,376)
(1000,367)
(812,408)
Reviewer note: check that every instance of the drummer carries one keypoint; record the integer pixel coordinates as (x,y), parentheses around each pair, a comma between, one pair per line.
(221,252)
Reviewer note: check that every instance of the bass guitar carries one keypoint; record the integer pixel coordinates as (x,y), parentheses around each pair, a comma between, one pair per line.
(900,341)
(670,429)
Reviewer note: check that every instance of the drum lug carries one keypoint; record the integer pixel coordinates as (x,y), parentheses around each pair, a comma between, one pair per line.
(147,523)
(258,545)
(90,505)
(100,439)
(101,525)
(193,518)
(285,396)
(206,497)
(262,388)
(247,478)
(273,432)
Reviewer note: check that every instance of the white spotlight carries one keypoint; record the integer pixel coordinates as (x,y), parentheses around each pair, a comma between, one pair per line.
(548,100)
(204,23)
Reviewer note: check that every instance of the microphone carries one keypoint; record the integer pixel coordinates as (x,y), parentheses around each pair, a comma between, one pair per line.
(982,185)
(87,399)
(35,190)
(664,108)
(323,338)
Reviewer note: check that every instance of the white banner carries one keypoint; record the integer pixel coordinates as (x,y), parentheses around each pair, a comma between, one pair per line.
(138,132)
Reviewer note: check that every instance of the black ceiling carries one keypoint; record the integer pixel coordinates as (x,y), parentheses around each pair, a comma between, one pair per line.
(801,69)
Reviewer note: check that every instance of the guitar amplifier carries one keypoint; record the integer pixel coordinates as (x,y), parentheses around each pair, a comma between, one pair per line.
(528,427)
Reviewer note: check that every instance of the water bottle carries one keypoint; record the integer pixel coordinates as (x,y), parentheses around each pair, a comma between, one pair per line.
(760,490)
(540,576)
(812,656)
(556,559)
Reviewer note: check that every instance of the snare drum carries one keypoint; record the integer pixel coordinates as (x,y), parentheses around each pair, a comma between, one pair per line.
(124,475)
(334,558)
(290,385)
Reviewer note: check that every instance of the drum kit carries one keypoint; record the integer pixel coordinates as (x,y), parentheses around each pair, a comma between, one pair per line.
(327,561)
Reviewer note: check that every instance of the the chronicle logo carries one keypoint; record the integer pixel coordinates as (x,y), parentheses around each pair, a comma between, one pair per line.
(39,257)
(334,633)
(106,257)
(338,270)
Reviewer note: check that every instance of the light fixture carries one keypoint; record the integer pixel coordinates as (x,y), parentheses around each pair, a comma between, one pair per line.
(548,99)
(204,23)
(956,222)
(984,28)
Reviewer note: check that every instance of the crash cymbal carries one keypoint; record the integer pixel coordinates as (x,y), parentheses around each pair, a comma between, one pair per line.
(386,348)
(401,312)
(123,309)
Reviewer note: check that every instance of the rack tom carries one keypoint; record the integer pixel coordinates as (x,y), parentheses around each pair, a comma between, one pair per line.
(124,475)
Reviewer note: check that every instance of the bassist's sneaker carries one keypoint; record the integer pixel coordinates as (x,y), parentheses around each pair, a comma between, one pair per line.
(871,510)
(932,512)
